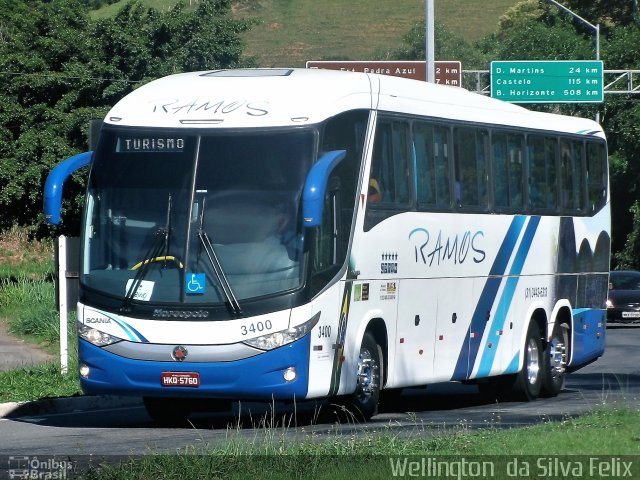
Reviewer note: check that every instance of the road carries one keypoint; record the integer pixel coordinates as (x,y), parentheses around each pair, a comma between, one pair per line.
(612,380)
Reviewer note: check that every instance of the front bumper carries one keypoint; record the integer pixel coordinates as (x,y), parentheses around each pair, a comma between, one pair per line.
(256,378)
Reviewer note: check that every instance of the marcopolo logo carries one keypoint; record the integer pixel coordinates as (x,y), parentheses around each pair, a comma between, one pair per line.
(163,313)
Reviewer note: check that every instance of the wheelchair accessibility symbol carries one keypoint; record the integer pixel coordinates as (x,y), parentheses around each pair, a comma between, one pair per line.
(195,283)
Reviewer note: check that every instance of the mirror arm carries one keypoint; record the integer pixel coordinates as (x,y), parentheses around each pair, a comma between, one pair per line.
(315,187)
(55,182)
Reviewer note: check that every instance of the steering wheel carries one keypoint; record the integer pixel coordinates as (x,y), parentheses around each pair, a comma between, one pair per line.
(163,258)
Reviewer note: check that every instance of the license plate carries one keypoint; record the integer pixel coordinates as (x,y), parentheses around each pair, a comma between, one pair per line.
(180,379)
(630,314)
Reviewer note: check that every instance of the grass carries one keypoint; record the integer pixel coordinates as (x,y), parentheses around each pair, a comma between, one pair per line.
(21,256)
(290,32)
(27,305)
(26,286)
(377,455)
(38,382)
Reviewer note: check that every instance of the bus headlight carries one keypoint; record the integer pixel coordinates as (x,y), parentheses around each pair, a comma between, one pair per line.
(96,337)
(283,337)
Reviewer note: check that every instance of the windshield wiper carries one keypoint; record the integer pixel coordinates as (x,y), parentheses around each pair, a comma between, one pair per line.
(160,244)
(217,268)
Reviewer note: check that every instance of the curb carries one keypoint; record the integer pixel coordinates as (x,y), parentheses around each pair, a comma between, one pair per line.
(66,405)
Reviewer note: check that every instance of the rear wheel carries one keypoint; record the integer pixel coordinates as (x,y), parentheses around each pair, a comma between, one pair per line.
(554,362)
(529,380)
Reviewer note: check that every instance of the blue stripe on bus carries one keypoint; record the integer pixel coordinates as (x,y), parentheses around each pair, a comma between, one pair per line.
(514,364)
(128,327)
(487,297)
(507,297)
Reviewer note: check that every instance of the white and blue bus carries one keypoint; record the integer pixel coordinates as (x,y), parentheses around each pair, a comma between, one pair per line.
(290,234)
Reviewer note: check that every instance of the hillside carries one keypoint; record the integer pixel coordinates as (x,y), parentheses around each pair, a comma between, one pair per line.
(290,32)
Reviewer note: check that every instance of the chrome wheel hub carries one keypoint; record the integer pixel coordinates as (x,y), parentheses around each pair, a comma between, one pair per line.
(367,373)
(533,362)
(558,357)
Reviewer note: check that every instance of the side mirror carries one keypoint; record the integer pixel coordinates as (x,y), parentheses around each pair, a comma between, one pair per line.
(55,181)
(315,187)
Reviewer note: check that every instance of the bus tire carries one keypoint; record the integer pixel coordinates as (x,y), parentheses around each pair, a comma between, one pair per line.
(555,361)
(369,378)
(167,412)
(528,382)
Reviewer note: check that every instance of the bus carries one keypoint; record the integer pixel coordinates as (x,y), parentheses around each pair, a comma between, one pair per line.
(292,234)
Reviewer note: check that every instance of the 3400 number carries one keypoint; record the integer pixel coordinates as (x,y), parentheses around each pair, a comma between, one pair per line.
(324,331)
(256,327)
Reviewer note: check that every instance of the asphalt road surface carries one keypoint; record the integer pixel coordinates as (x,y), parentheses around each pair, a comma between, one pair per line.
(613,380)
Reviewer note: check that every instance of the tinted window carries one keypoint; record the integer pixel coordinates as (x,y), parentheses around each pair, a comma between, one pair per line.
(507,170)
(390,164)
(431,145)
(470,187)
(596,175)
(543,186)
(571,176)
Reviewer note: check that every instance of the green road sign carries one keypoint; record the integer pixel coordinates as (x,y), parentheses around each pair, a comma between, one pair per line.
(560,81)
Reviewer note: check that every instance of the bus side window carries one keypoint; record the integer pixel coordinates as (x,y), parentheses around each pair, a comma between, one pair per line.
(331,240)
(543,187)
(390,164)
(425,175)
(571,176)
(507,166)
(431,146)
(596,175)
(470,147)
(441,150)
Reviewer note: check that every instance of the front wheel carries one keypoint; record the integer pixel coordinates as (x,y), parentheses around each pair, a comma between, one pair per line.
(368,378)
(529,380)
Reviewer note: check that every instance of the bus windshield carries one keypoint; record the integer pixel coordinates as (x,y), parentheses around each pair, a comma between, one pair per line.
(178,218)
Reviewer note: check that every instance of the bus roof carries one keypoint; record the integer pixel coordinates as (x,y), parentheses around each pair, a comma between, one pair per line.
(260,98)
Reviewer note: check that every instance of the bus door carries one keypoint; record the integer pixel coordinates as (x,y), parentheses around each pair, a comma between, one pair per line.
(456,302)
(415,332)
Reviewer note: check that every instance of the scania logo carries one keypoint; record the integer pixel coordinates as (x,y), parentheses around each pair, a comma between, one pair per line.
(179,353)
(90,320)
(163,313)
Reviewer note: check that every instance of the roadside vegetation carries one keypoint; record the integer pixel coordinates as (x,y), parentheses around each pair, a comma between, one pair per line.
(378,454)
(27,307)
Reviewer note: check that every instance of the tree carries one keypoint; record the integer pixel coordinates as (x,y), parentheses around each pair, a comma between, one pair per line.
(59,69)
(609,14)
(448,46)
